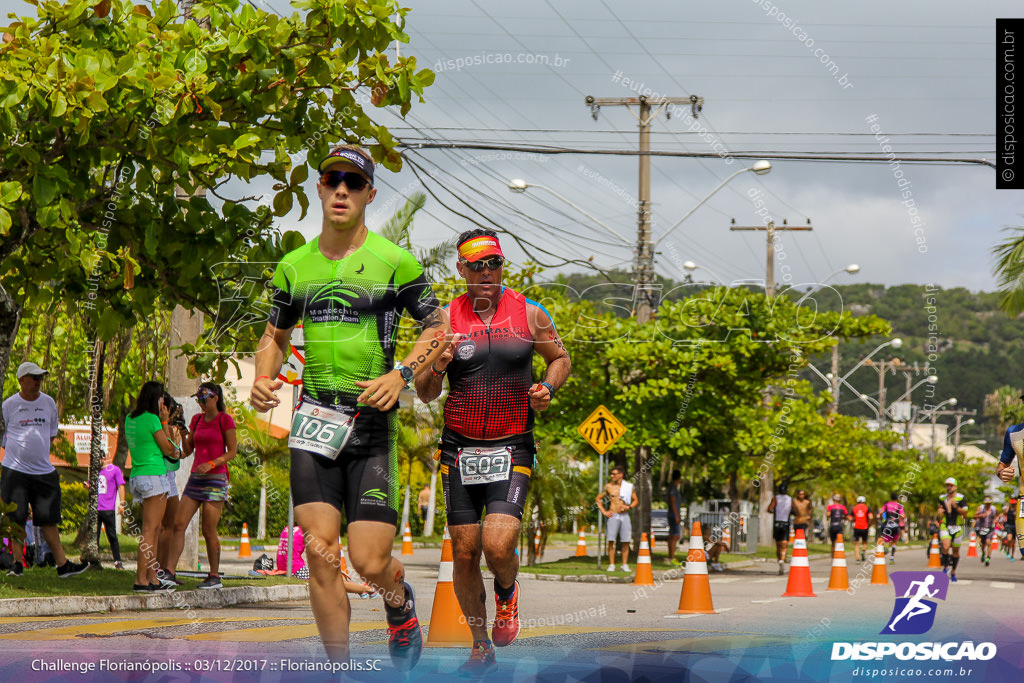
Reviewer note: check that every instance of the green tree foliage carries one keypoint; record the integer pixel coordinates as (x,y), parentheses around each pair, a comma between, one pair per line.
(135,102)
(1009,270)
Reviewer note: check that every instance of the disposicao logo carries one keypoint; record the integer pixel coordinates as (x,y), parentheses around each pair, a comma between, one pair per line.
(914,611)
(914,614)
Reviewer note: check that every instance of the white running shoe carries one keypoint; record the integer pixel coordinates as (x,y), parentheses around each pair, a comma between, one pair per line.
(625,567)
(611,568)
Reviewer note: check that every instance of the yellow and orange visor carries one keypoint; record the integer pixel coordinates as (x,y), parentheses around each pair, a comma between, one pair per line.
(480,247)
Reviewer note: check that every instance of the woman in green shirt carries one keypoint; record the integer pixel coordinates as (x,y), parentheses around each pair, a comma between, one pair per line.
(149,440)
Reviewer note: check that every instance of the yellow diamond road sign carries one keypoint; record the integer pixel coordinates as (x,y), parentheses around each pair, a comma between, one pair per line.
(601,430)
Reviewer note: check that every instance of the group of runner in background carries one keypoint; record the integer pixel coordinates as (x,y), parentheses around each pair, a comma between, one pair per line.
(994,527)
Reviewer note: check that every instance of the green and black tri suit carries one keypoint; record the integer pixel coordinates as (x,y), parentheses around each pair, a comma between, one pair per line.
(349,309)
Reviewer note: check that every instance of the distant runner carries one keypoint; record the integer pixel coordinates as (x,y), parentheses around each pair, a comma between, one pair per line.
(984,525)
(781,506)
(837,516)
(893,517)
(862,518)
(952,507)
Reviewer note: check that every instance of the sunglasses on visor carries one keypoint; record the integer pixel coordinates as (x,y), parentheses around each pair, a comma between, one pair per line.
(353,181)
(493,263)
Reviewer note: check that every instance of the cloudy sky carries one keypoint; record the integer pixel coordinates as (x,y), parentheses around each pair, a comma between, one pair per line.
(794,77)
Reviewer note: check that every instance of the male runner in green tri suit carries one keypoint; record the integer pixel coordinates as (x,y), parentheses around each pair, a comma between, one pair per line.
(347,287)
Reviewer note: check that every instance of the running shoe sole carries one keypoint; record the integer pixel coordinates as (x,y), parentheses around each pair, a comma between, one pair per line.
(405,655)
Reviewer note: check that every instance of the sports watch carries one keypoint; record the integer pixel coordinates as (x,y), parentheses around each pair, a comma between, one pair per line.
(406,372)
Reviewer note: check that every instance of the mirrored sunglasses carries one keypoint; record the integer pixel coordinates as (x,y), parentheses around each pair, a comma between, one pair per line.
(493,263)
(353,181)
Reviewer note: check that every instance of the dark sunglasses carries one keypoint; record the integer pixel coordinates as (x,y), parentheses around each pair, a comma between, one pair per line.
(353,181)
(493,263)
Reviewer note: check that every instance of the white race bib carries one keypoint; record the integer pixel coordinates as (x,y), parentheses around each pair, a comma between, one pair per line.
(320,430)
(485,465)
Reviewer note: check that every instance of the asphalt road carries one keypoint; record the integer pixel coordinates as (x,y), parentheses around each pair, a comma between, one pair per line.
(572,631)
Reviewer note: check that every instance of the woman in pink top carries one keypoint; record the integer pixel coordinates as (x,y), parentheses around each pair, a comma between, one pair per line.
(212,437)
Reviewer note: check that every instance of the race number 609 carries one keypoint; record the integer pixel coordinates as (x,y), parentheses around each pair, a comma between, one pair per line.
(482,464)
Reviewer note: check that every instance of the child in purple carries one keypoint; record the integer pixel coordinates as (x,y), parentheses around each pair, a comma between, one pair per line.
(111,501)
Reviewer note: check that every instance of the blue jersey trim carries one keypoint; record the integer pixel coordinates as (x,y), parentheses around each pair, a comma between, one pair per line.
(541,307)
(1007,456)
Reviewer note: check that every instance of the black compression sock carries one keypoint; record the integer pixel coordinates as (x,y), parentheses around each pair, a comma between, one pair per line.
(504,593)
(945,560)
(955,561)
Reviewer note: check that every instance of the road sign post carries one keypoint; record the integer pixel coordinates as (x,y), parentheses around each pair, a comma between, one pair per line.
(601,430)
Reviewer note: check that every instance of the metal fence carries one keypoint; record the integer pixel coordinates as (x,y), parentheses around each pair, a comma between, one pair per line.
(738,531)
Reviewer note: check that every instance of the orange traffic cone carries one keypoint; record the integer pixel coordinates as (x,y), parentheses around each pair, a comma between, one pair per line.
(581,544)
(407,540)
(342,565)
(839,581)
(695,596)
(879,575)
(727,536)
(644,574)
(792,536)
(536,543)
(972,550)
(448,625)
(934,555)
(799,584)
(243,549)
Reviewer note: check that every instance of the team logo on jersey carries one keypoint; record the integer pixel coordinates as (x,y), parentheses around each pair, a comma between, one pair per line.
(914,612)
(466,350)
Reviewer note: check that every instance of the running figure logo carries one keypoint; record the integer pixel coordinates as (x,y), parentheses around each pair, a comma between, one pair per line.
(914,612)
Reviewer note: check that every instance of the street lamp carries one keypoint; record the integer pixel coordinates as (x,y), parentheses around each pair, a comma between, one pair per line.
(759,168)
(691,266)
(873,404)
(836,380)
(934,416)
(519,185)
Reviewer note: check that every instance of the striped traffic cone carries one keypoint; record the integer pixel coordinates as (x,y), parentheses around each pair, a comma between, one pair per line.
(727,536)
(243,548)
(792,536)
(934,556)
(695,596)
(581,543)
(407,540)
(879,575)
(448,625)
(536,543)
(644,573)
(799,584)
(972,549)
(839,581)
(342,565)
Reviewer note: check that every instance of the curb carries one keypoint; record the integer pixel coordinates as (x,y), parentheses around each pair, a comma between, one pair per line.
(188,600)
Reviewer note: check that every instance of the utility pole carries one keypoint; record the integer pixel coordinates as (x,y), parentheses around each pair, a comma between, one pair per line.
(644,303)
(771,229)
(883,367)
(959,413)
(767,487)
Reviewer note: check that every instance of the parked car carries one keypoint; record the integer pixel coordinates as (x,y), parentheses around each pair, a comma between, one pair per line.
(659,524)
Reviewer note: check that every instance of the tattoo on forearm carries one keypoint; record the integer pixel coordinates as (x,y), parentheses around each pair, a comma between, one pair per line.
(435,343)
(435,319)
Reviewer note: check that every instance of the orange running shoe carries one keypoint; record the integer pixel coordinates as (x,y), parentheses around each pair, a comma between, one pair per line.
(481,660)
(506,619)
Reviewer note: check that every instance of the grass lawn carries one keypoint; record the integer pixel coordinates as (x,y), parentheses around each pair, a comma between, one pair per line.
(40,582)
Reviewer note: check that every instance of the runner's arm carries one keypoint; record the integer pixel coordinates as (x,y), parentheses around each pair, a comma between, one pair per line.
(549,345)
(771,505)
(269,357)
(383,392)
(429,384)
(633,501)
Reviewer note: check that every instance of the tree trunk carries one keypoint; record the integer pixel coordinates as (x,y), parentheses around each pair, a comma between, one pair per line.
(428,525)
(642,483)
(97,455)
(10,319)
(184,328)
(261,522)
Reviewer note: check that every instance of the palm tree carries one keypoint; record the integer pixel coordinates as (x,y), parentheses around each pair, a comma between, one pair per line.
(1010,270)
(398,229)
(261,445)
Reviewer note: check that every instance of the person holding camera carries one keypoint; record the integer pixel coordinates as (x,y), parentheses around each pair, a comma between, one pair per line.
(150,438)
(211,435)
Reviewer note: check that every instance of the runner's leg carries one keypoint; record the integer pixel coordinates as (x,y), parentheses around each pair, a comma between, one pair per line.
(321,522)
(468,580)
